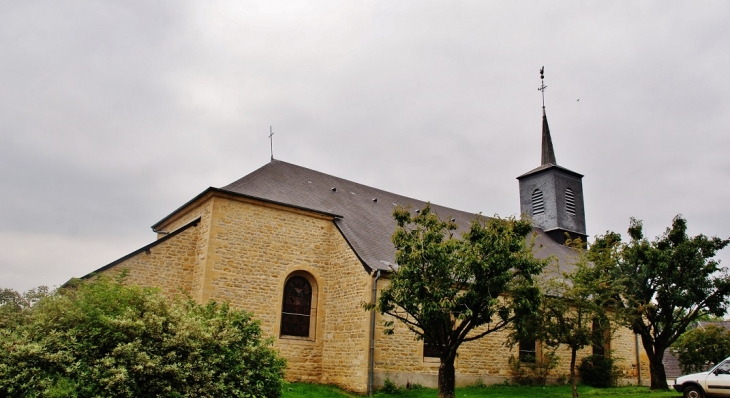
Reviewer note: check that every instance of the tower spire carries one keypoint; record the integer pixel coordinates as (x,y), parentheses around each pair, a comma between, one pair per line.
(548,153)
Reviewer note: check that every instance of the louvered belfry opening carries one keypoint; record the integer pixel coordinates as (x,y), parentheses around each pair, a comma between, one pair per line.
(569,201)
(538,204)
(296,314)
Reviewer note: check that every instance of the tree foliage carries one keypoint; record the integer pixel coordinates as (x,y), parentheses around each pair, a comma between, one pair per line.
(106,339)
(667,284)
(445,288)
(701,348)
(14,305)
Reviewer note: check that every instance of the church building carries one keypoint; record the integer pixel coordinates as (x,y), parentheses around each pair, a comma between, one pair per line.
(302,250)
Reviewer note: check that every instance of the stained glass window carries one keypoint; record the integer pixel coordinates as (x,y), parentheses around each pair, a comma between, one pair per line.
(296,314)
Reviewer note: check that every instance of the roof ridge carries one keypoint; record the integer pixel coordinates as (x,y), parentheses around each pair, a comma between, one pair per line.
(406,198)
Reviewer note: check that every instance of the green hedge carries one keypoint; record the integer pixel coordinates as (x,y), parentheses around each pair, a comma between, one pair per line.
(106,339)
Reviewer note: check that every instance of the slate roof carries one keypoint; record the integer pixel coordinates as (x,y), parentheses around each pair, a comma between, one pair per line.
(719,324)
(671,365)
(365,223)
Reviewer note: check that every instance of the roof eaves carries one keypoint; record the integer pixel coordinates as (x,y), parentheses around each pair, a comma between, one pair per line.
(548,167)
(240,195)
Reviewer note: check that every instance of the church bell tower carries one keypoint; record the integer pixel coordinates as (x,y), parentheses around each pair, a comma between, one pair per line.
(553,195)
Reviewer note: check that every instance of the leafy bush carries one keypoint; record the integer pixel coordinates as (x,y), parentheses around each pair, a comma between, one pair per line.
(106,339)
(598,371)
(389,387)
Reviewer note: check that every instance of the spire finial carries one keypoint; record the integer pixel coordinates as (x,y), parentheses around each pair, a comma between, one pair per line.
(271,138)
(548,153)
(542,85)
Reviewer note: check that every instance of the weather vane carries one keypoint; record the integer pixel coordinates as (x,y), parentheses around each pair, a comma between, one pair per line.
(542,85)
(271,138)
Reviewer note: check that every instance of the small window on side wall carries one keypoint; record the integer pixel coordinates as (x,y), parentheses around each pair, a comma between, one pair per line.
(431,350)
(297,308)
(528,351)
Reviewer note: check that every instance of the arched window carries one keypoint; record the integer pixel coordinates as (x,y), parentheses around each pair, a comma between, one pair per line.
(296,312)
(569,201)
(538,205)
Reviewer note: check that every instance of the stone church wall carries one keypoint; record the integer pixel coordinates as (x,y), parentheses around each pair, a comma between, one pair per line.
(252,249)
(242,252)
(347,327)
(168,265)
(202,210)
(623,349)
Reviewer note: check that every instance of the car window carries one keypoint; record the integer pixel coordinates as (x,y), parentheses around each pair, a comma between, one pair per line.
(723,368)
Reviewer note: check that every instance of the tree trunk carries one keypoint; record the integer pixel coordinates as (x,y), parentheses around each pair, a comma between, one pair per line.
(447,378)
(573,379)
(655,353)
(658,375)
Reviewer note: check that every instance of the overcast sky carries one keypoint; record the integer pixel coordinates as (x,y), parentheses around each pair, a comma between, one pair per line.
(113,114)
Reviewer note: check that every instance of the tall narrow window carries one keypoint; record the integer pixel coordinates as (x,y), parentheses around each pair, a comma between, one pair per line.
(569,201)
(528,351)
(601,338)
(538,205)
(297,309)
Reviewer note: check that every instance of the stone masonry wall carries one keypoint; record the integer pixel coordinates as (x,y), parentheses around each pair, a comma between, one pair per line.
(167,265)
(203,209)
(623,349)
(252,249)
(347,326)
(243,252)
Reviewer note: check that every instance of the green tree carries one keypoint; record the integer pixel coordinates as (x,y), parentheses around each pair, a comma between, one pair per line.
(574,310)
(702,347)
(667,285)
(106,339)
(445,288)
(13,305)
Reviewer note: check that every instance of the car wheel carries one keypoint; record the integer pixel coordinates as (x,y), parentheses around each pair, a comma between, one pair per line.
(693,392)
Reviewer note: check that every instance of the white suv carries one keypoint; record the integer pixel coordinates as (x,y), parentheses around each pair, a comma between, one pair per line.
(715,382)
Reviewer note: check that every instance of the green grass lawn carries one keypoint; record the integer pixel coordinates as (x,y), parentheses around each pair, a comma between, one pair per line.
(301,390)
